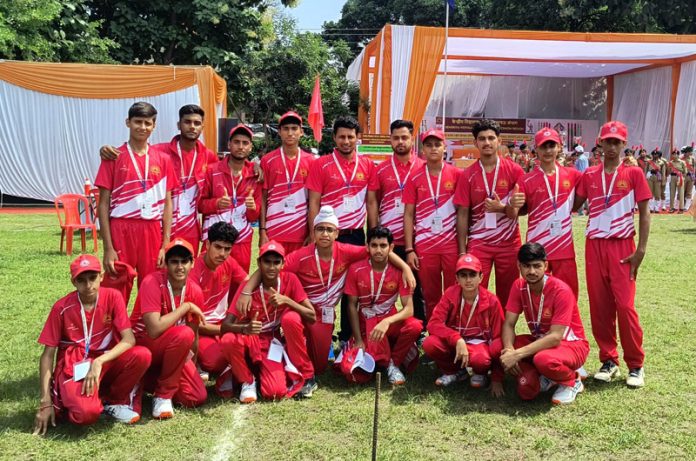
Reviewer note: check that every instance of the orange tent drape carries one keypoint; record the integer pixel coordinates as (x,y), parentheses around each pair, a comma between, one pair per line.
(386,73)
(367,70)
(428,47)
(95,81)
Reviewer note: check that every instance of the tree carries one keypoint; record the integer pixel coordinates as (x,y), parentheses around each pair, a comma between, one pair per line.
(51,30)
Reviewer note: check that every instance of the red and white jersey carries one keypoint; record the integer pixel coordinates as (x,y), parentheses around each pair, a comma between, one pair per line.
(435,214)
(453,319)
(472,193)
(323,285)
(343,185)
(559,308)
(154,296)
(215,285)
(135,192)
(392,176)
(549,200)
(611,199)
(286,207)
(219,182)
(269,315)
(190,168)
(377,292)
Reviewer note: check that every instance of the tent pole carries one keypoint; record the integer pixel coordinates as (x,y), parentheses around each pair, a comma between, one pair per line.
(444,83)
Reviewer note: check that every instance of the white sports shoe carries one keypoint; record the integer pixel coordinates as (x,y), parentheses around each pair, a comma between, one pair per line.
(446,380)
(122,413)
(636,377)
(566,394)
(396,377)
(478,381)
(582,373)
(162,408)
(608,372)
(545,384)
(248,393)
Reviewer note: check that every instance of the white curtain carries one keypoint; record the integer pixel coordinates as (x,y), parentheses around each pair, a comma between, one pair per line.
(685,115)
(50,144)
(642,100)
(402,45)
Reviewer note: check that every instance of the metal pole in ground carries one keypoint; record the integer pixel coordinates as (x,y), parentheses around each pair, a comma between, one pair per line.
(378,385)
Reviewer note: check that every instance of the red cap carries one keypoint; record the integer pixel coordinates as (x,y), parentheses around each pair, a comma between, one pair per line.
(434,133)
(468,262)
(178,243)
(614,129)
(84,263)
(357,372)
(242,127)
(290,114)
(528,385)
(547,134)
(272,247)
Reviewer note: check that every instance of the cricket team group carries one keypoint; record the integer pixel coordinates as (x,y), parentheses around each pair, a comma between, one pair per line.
(179,221)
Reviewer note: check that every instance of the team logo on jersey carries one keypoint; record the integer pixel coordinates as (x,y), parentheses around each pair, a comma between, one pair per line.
(546,314)
(502,183)
(566,184)
(622,184)
(155,170)
(391,286)
(360,176)
(304,172)
(449,185)
(340,268)
(362,284)
(107,319)
(204,168)
(224,279)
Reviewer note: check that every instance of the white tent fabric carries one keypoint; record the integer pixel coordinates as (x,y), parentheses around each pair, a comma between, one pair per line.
(538,69)
(402,44)
(685,115)
(72,130)
(642,100)
(355,68)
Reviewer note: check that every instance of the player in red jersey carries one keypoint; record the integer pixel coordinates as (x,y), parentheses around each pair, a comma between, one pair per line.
(283,215)
(215,271)
(165,319)
(465,330)
(611,256)
(549,193)
(91,365)
(234,175)
(253,339)
(385,206)
(430,220)
(190,160)
(135,204)
(556,348)
(373,286)
(488,199)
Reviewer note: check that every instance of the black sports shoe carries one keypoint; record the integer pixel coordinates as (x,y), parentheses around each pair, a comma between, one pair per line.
(607,372)
(308,389)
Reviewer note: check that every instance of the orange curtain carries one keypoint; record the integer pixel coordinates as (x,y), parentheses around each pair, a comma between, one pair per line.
(428,46)
(366,71)
(94,81)
(386,72)
(376,52)
(610,98)
(676,74)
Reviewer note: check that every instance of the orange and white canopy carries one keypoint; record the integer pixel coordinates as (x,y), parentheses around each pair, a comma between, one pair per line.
(55,116)
(645,73)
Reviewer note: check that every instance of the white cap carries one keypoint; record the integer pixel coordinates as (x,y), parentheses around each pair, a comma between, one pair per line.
(326,215)
(579,149)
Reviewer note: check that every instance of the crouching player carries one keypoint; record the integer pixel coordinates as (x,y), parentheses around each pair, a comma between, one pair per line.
(165,320)
(372,287)
(465,330)
(253,340)
(556,347)
(91,365)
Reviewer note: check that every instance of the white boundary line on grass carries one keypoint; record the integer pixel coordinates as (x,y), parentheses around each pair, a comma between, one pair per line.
(227,443)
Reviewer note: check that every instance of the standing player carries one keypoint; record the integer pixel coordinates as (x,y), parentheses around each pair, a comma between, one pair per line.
(236,175)
(341,180)
(165,320)
(655,175)
(385,206)
(549,193)
(455,344)
(91,364)
(372,287)
(690,175)
(677,172)
(556,347)
(283,215)
(486,223)
(215,271)
(279,303)
(430,220)
(135,203)
(611,257)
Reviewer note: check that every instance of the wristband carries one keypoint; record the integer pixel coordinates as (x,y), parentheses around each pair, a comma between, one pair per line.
(262,228)
(409,250)
(246,293)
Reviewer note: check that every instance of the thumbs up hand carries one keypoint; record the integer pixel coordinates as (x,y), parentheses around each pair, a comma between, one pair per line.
(224,201)
(277,299)
(494,205)
(254,325)
(517,199)
(249,200)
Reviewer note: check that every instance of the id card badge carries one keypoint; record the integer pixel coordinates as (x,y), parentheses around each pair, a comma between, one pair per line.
(147,205)
(238,221)
(555,227)
(186,200)
(436,226)
(604,224)
(80,369)
(289,205)
(349,203)
(398,205)
(327,315)
(491,220)
(275,351)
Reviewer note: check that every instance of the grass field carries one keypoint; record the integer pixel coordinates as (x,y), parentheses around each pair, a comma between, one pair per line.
(417,420)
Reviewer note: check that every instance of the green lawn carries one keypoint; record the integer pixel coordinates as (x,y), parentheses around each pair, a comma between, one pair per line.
(417,421)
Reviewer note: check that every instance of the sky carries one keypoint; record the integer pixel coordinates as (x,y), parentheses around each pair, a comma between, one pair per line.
(311,14)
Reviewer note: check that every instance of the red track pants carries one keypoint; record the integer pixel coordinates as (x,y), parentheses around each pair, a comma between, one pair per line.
(566,270)
(210,356)
(437,272)
(482,357)
(137,242)
(396,343)
(504,257)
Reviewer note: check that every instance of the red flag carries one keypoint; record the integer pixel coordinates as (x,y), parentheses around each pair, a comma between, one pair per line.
(316,112)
